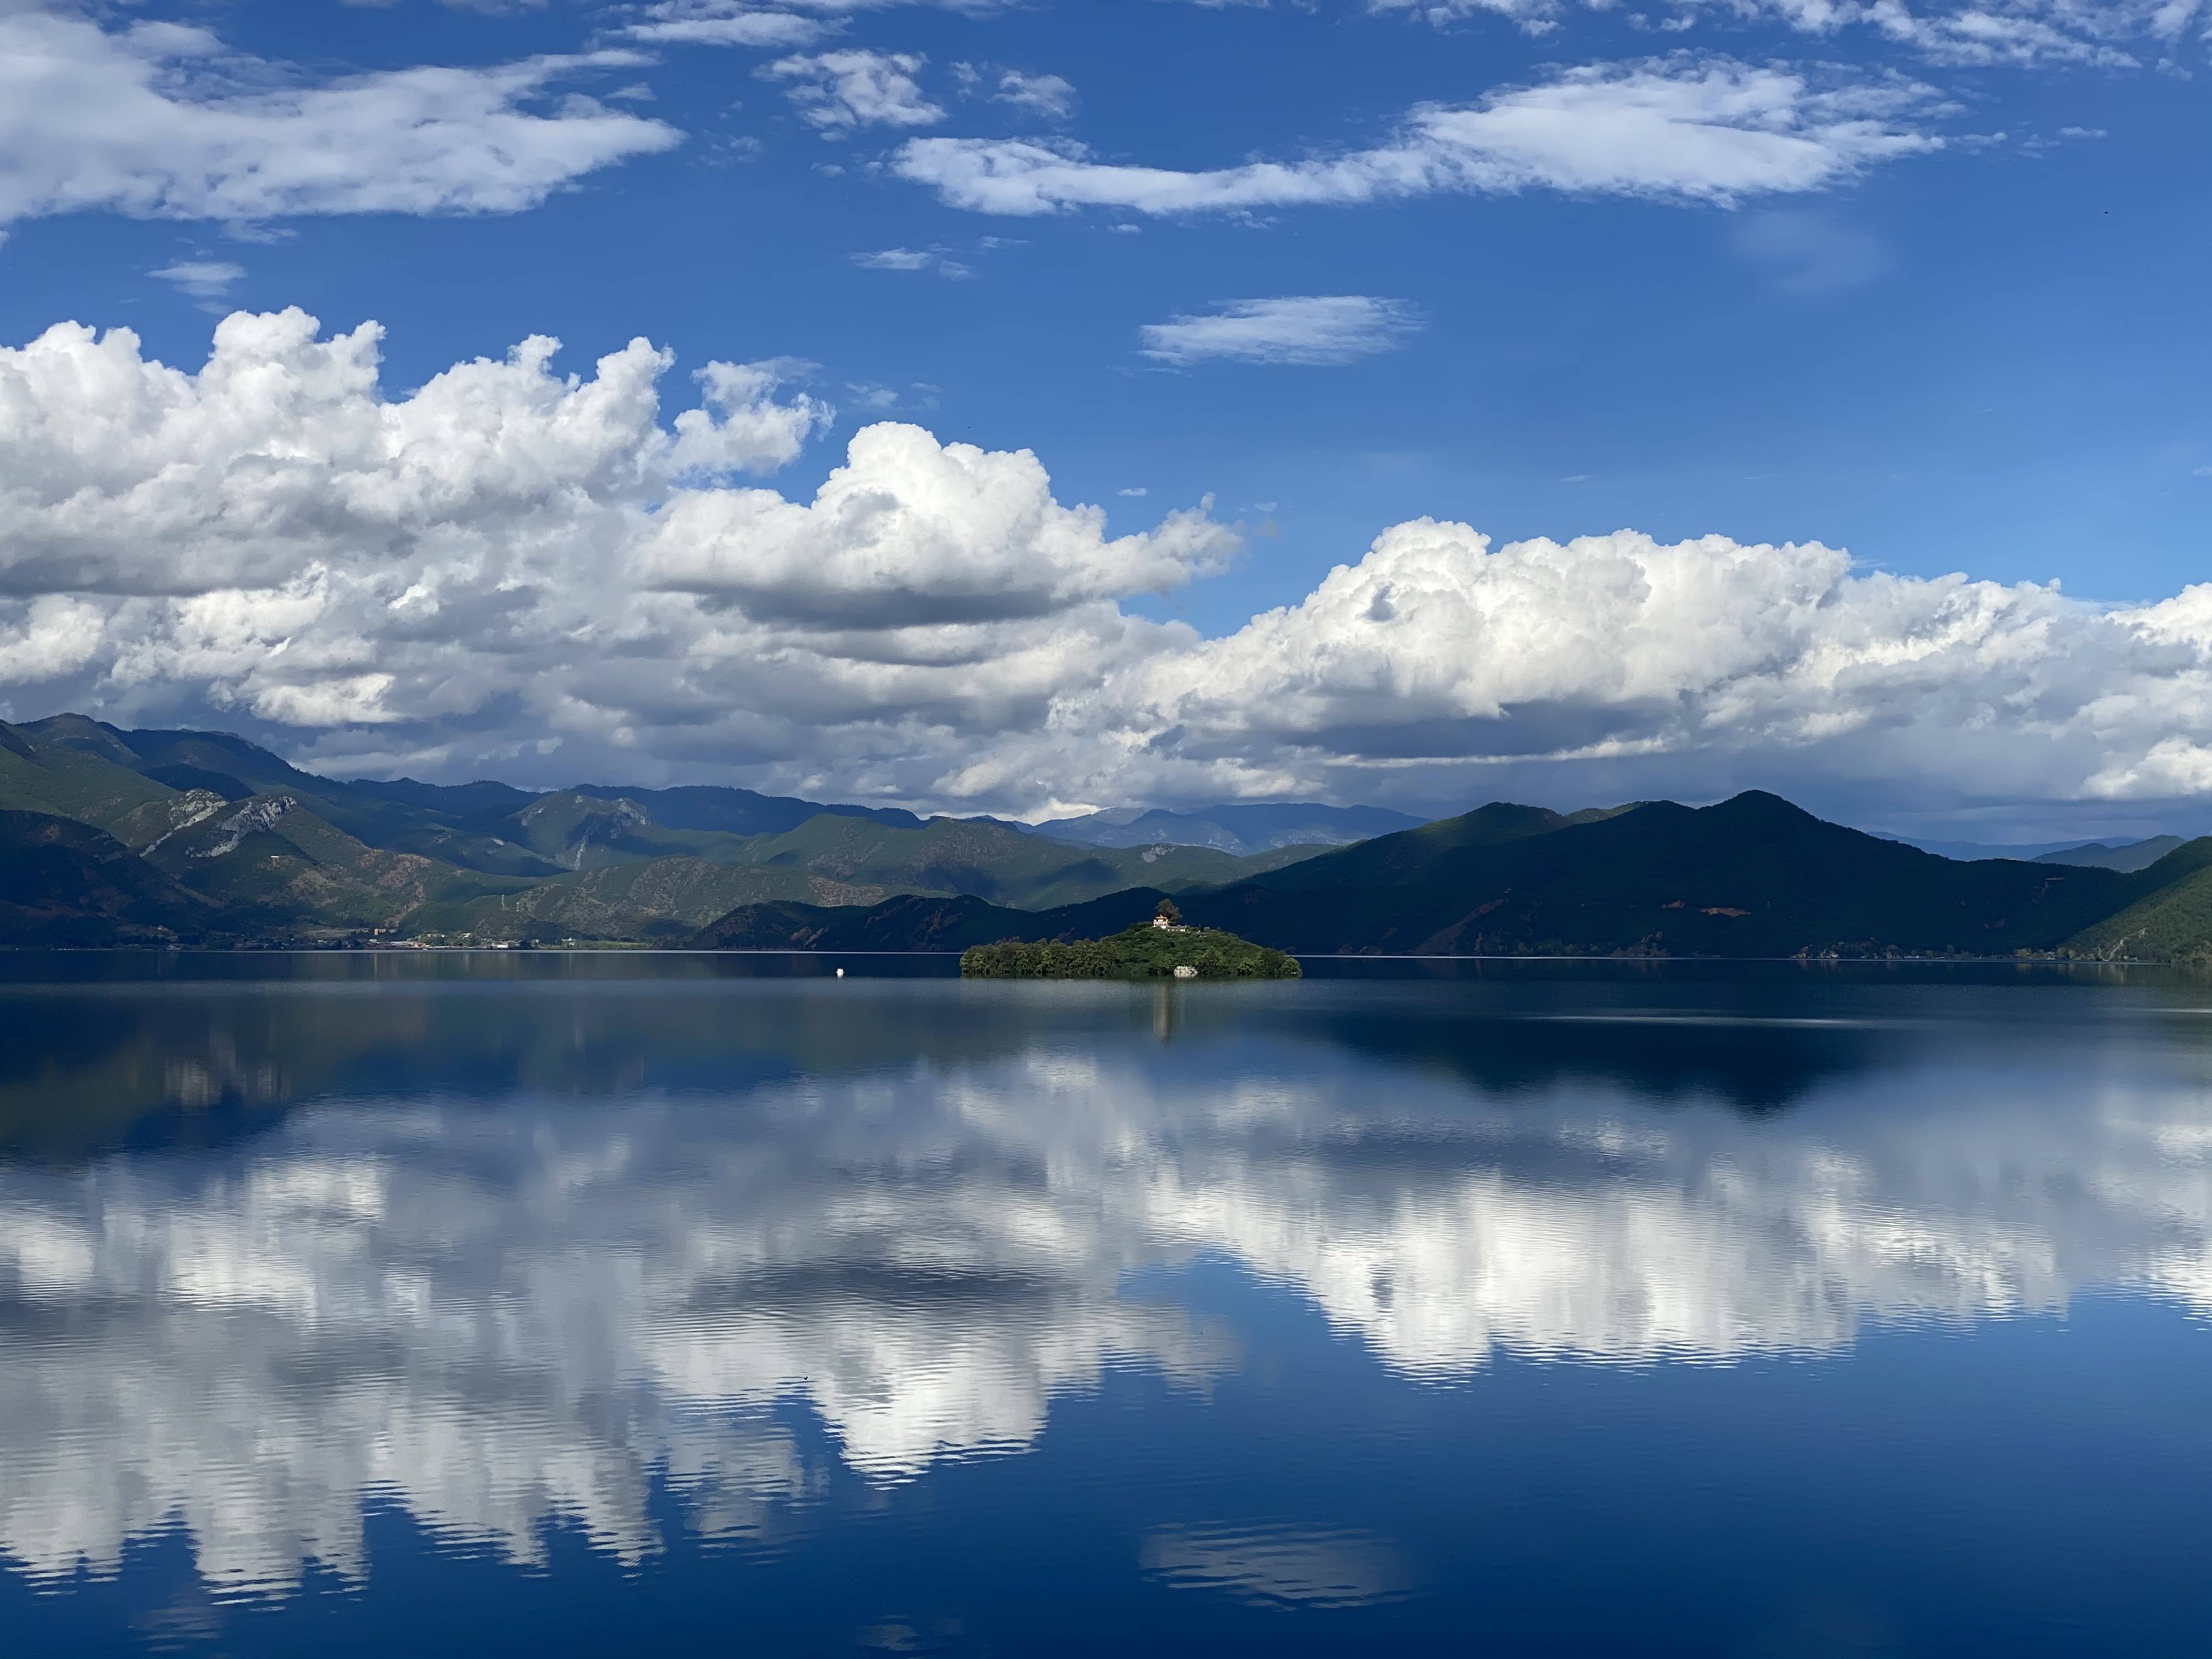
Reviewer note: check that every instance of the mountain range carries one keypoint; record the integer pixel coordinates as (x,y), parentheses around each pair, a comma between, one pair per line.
(111,836)
(1753,876)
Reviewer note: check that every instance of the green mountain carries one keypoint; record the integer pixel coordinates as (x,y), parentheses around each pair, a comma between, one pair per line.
(1004,865)
(1751,876)
(658,900)
(43,777)
(270,851)
(918,923)
(2172,921)
(231,767)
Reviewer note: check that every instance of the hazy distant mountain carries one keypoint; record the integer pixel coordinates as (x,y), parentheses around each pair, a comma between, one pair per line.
(2104,855)
(2122,855)
(1751,876)
(1972,852)
(1242,828)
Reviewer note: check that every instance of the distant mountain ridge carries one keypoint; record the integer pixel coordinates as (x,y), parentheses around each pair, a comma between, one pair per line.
(2109,855)
(1243,828)
(2128,856)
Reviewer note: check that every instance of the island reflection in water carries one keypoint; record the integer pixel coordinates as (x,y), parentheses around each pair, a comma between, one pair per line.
(635,1249)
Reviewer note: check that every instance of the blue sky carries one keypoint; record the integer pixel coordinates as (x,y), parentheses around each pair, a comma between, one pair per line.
(1925,286)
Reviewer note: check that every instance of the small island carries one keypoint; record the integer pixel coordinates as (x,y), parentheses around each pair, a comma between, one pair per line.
(1163,949)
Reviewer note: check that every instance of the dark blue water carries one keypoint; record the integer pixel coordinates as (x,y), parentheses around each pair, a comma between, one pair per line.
(544,1304)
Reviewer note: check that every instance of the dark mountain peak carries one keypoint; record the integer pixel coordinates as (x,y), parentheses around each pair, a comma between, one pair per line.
(1505,814)
(1760,812)
(1764,803)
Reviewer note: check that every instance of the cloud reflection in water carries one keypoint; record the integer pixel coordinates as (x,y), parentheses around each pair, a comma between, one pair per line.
(502,1311)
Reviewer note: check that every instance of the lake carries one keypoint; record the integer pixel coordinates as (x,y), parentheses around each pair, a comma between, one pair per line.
(541,1304)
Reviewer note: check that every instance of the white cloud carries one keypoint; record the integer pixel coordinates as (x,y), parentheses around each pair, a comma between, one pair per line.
(512,572)
(896,259)
(1984,33)
(48,637)
(1313,328)
(910,532)
(276,536)
(1972,32)
(722,23)
(839,91)
(159,121)
(912,258)
(204,279)
(1049,95)
(1677,129)
(777,27)
(1700,664)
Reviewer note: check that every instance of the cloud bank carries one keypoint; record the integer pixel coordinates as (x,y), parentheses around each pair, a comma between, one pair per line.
(512,571)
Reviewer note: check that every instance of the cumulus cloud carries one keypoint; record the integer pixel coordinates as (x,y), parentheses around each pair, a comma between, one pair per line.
(275,532)
(515,571)
(913,532)
(159,121)
(838,91)
(1677,129)
(1314,329)
(1622,658)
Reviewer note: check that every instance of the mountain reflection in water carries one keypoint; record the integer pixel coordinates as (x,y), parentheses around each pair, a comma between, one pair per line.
(507,1247)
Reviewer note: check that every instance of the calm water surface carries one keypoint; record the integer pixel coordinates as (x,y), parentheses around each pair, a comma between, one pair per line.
(547,1304)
